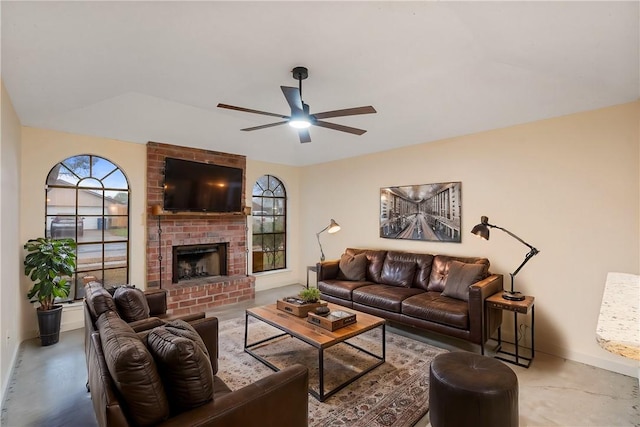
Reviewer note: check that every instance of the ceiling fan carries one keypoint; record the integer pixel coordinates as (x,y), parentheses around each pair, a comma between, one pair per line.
(300,117)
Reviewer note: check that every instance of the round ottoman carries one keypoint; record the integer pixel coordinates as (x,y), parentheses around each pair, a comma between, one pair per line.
(467,389)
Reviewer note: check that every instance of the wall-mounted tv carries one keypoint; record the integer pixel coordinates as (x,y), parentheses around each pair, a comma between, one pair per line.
(201,187)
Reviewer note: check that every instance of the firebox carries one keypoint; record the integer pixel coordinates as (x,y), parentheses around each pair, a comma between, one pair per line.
(197,261)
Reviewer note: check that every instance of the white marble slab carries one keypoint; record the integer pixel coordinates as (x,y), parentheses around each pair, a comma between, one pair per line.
(619,324)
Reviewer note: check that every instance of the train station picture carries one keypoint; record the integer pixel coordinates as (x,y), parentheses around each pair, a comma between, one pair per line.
(428,212)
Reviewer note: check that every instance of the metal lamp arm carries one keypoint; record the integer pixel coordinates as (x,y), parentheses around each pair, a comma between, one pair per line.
(527,257)
(320,244)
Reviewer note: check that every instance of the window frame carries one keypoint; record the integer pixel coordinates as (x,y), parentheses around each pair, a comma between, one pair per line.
(269,217)
(91,183)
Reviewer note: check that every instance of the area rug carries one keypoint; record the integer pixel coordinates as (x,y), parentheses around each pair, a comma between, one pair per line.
(395,394)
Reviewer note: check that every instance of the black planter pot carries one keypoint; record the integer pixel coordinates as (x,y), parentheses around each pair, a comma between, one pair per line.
(49,324)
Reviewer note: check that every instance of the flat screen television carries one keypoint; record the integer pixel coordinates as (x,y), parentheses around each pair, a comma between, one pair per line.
(201,187)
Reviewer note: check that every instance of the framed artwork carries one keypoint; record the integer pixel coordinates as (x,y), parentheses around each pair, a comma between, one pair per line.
(427,212)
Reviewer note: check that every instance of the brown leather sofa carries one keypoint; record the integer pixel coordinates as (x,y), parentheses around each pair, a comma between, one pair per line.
(437,293)
(164,373)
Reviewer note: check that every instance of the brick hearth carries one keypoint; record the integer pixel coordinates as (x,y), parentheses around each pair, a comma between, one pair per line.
(191,229)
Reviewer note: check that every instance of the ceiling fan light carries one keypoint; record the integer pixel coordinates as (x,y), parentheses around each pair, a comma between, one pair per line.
(299,123)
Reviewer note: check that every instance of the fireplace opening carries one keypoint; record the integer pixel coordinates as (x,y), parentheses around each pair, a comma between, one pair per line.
(197,261)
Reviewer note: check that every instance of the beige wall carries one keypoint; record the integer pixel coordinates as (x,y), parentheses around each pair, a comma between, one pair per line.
(41,150)
(290,176)
(11,296)
(568,185)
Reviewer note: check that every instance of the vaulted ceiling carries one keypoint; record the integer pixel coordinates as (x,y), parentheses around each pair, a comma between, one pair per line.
(155,71)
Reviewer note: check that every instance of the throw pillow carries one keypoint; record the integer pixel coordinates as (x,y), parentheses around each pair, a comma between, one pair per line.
(99,300)
(353,267)
(132,304)
(183,365)
(398,273)
(461,276)
(133,371)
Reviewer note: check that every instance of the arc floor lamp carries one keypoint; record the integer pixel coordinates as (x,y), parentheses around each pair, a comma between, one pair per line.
(482,230)
(333,227)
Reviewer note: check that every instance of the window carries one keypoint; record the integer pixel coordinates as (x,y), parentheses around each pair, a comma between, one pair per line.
(87,199)
(269,213)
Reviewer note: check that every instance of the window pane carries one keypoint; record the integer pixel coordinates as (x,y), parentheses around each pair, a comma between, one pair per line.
(279,259)
(278,206)
(116,180)
(279,224)
(101,167)
(279,191)
(257,243)
(115,254)
(268,242)
(267,205)
(279,242)
(79,165)
(91,183)
(116,228)
(61,201)
(89,256)
(261,184)
(115,277)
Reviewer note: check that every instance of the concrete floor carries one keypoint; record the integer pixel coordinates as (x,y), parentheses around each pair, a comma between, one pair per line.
(47,386)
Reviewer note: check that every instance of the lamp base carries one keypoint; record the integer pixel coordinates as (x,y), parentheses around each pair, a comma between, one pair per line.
(513,296)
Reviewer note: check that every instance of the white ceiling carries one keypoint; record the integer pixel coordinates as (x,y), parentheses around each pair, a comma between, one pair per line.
(155,71)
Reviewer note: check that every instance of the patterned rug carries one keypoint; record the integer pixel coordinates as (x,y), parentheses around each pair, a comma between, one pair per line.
(395,394)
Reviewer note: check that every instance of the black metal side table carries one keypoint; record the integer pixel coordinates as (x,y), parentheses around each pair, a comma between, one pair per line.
(517,307)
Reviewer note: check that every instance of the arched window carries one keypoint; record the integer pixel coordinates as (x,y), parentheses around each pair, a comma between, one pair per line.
(87,199)
(269,212)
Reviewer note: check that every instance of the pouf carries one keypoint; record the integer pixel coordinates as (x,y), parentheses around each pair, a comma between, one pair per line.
(467,389)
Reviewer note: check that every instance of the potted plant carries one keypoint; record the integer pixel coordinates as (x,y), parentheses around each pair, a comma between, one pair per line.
(49,264)
(309,295)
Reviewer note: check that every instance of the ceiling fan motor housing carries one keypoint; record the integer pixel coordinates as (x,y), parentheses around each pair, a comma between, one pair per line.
(300,73)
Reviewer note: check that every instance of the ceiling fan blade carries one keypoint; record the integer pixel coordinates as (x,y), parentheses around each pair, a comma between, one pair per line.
(248,110)
(293,98)
(341,128)
(265,126)
(346,112)
(304,135)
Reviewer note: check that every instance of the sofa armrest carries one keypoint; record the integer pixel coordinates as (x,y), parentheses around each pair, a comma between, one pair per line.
(478,292)
(146,324)
(279,400)
(328,270)
(207,328)
(157,300)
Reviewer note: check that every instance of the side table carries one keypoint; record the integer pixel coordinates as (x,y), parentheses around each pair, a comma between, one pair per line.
(314,269)
(517,307)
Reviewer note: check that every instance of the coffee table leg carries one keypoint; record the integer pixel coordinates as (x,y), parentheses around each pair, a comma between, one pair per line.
(321,373)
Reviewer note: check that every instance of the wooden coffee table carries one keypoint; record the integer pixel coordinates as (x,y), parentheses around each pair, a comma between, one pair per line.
(314,335)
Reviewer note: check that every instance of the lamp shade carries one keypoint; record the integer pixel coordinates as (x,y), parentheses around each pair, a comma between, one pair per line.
(334,227)
(481,231)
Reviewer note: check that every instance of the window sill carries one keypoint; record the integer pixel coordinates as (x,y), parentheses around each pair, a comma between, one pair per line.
(271,272)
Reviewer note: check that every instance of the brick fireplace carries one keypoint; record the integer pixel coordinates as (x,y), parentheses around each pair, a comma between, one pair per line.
(206,287)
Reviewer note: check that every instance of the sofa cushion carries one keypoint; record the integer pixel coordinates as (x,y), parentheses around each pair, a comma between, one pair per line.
(434,307)
(440,270)
(132,304)
(132,370)
(422,265)
(384,297)
(375,259)
(461,276)
(99,300)
(398,273)
(183,363)
(352,267)
(340,288)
